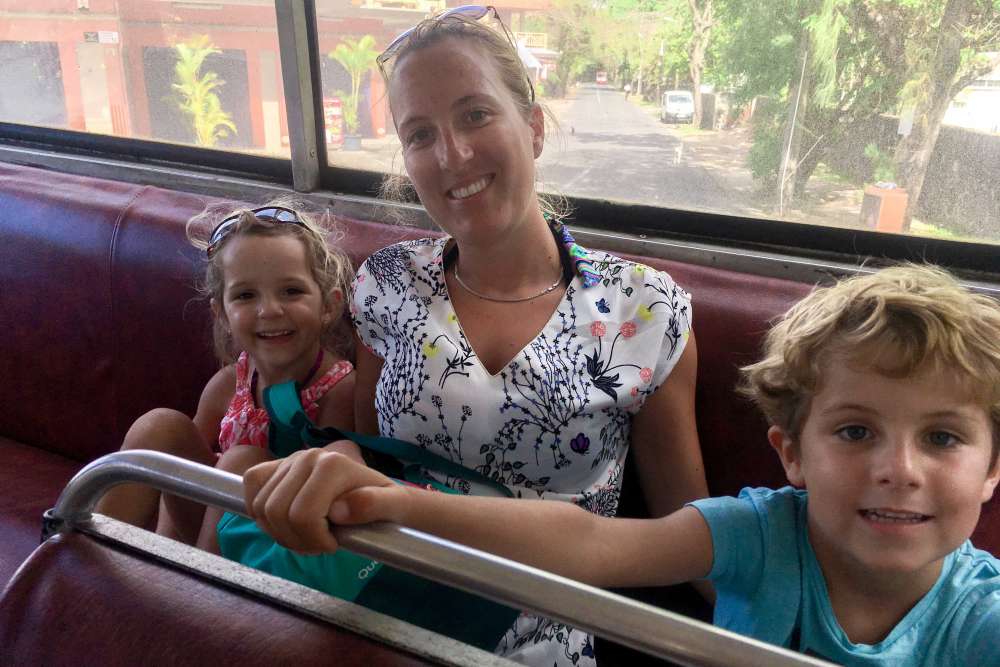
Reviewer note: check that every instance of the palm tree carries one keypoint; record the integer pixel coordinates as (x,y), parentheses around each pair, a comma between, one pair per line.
(195,89)
(357,57)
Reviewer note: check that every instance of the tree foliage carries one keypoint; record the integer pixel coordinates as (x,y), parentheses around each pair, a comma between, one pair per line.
(825,68)
(196,91)
(357,57)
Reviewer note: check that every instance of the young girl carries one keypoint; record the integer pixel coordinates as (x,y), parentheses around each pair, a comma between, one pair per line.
(276,291)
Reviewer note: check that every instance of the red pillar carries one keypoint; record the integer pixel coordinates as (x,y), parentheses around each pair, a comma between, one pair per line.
(71,83)
(115,71)
(255,98)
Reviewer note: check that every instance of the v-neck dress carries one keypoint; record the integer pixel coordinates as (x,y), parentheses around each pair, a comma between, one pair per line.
(554,422)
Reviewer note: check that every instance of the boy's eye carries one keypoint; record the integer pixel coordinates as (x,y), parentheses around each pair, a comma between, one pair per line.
(942,439)
(853,432)
(242,296)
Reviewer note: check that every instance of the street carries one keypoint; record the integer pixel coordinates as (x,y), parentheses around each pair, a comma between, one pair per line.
(609,148)
(606,147)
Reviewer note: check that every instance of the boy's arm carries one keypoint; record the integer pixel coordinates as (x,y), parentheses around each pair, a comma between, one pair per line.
(292,499)
(551,535)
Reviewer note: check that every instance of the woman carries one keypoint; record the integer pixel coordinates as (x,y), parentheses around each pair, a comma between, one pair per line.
(506,346)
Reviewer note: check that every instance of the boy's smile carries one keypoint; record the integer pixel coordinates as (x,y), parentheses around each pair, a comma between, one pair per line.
(897,470)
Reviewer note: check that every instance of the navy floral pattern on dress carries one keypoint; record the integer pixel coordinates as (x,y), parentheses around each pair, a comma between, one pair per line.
(554,422)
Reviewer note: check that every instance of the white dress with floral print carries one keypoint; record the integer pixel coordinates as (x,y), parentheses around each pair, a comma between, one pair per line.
(554,423)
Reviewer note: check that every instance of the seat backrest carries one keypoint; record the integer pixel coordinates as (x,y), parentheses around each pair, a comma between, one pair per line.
(78,601)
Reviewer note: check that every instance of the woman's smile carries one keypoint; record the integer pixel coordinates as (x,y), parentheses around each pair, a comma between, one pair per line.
(468,148)
(470,190)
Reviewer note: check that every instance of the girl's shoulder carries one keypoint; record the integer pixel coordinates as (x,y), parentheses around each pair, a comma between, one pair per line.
(333,395)
(219,390)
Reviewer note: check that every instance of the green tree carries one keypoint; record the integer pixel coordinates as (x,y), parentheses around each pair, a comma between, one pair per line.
(642,41)
(703,19)
(357,57)
(834,65)
(947,56)
(196,91)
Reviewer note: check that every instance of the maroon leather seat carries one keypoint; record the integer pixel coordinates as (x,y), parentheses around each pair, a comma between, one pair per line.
(83,602)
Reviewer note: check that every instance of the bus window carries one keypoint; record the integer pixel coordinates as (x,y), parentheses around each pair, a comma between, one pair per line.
(817,116)
(186,73)
(813,121)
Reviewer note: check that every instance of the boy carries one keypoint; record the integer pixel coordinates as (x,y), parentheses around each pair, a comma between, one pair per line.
(883,394)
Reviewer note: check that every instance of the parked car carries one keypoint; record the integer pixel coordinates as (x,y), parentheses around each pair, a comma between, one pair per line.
(677,107)
(602,78)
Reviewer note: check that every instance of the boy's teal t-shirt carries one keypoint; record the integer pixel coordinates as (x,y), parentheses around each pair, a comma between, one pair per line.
(770,587)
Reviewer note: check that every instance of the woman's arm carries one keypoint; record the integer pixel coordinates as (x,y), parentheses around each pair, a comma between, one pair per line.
(664,440)
(665,444)
(367,368)
(292,499)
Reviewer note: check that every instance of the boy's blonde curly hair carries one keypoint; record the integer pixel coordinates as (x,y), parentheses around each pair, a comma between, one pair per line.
(900,321)
(330,266)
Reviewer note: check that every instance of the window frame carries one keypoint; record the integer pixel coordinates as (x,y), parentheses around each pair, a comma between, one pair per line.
(707,235)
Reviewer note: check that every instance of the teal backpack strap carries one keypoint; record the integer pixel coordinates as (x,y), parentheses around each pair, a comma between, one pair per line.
(436,607)
(292,430)
(287,419)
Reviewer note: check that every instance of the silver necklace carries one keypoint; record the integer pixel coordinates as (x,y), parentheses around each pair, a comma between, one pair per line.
(545,291)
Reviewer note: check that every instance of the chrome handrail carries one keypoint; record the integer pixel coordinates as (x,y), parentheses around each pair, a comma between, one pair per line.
(643,627)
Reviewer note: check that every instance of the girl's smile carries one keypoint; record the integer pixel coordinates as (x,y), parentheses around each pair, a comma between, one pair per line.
(273,305)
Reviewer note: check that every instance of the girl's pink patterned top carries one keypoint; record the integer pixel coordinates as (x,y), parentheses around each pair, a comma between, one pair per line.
(247,424)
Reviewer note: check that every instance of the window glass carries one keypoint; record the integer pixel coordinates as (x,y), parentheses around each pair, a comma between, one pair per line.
(851,114)
(194,72)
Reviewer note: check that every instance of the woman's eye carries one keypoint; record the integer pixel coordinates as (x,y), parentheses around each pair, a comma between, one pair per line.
(942,439)
(478,116)
(418,137)
(853,432)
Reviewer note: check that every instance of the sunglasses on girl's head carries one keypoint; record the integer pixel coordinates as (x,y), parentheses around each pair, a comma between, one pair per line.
(273,214)
(471,12)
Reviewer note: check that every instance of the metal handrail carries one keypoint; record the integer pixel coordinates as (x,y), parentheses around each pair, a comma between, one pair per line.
(644,627)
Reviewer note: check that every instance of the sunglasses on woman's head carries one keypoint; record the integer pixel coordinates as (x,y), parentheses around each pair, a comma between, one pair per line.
(471,12)
(273,214)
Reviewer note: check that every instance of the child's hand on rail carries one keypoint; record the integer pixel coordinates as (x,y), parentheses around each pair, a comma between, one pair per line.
(293,499)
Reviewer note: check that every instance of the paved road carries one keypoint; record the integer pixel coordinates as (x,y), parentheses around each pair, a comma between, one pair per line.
(611,148)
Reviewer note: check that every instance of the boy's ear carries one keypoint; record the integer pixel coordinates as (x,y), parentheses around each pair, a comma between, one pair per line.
(790,454)
(992,479)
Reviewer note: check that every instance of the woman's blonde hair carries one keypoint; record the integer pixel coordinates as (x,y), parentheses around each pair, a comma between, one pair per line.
(330,267)
(900,321)
(513,74)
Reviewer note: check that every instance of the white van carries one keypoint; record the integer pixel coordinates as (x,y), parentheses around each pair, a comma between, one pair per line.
(677,107)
